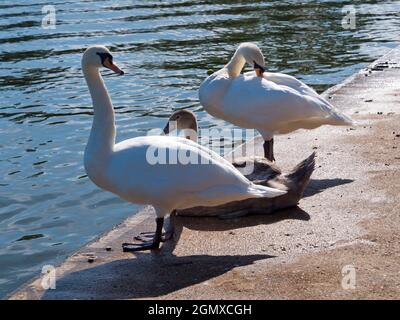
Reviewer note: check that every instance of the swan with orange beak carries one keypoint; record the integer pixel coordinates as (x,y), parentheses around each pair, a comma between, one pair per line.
(131,170)
(270,102)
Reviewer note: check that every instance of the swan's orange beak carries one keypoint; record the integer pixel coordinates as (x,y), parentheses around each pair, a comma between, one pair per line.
(110,65)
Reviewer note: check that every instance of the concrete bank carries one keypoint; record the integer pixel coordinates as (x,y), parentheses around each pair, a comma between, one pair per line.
(349,216)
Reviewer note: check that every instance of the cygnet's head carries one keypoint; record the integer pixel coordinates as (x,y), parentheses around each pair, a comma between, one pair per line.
(253,56)
(183,120)
(99,56)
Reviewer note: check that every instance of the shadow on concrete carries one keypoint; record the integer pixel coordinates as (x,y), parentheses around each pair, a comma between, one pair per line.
(316,186)
(149,275)
(216,224)
(160,272)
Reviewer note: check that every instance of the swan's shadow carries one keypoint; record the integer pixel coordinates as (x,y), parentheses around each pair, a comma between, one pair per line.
(160,273)
(218,224)
(316,186)
(147,276)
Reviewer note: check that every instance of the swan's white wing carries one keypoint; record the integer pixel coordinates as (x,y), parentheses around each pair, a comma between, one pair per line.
(182,144)
(212,153)
(302,88)
(286,80)
(137,176)
(253,102)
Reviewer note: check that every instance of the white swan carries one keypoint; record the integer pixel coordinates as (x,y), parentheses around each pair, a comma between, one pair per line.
(272,103)
(126,168)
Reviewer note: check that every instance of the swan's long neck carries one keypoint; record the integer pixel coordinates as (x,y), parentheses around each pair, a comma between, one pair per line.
(236,64)
(102,136)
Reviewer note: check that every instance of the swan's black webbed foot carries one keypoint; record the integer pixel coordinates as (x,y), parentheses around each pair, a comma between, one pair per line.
(147,245)
(146,236)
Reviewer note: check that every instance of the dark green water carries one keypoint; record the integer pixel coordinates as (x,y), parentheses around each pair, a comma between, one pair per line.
(165,47)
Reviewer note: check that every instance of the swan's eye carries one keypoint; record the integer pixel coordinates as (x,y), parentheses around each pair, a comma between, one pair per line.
(103,56)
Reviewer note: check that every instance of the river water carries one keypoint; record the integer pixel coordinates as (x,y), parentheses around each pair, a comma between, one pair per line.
(48,207)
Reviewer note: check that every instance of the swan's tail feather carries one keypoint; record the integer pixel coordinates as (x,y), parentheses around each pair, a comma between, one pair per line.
(341,119)
(299,177)
(333,115)
(260,191)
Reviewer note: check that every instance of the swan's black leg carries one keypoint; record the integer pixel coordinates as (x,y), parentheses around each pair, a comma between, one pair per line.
(149,245)
(269,150)
(165,236)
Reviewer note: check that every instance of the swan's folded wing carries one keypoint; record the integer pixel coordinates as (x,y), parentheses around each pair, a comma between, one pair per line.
(289,81)
(172,163)
(258,103)
(286,80)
